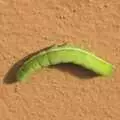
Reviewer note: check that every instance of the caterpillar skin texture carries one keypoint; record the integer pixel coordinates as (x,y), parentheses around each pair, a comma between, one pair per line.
(64,54)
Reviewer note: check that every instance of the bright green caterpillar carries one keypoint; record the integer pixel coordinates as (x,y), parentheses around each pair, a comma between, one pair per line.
(64,54)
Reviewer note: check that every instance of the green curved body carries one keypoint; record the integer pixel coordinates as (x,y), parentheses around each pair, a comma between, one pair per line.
(64,54)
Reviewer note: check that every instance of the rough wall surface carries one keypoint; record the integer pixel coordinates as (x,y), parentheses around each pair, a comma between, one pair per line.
(63,92)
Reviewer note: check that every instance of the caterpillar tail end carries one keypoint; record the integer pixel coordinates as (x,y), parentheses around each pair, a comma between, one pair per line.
(21,76)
